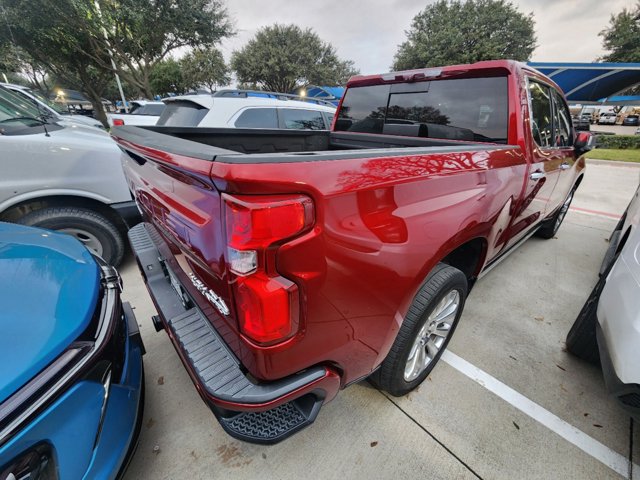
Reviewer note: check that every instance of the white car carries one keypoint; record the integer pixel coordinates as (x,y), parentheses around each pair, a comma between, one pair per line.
(142,113)
(66,178)
(240,109)
(608,326)
(51,109)
(607,118)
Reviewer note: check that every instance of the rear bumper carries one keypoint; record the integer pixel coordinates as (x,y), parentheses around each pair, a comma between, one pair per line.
(256,412)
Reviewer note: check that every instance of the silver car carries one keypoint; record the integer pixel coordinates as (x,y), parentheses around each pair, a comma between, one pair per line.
(608,326)
(63,177)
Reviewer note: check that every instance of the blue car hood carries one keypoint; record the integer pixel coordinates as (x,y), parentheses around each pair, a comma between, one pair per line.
(49,287)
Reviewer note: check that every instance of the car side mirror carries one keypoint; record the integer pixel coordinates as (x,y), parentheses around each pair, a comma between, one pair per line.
(584,142)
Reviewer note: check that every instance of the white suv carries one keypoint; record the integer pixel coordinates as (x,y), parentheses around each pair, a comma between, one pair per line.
(244,109)
(608,326)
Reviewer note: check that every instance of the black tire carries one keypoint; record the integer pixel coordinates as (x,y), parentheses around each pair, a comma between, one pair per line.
(441,282)
(550,227)
(581,340)
(90,227)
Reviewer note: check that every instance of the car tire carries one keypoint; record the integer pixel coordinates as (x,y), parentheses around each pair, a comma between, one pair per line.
(550,227)
(92,229)
(425,331)
(581,340)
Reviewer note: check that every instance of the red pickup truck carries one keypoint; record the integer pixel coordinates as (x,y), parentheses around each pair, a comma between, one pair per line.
(286,265)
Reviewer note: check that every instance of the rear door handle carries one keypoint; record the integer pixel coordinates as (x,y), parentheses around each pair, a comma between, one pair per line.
(537,175)
(565,166)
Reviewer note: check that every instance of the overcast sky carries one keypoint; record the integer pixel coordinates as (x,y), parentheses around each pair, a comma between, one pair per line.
(369,31)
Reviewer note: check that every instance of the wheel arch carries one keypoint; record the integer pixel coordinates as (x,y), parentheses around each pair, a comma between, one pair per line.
(23,206)
(468,257)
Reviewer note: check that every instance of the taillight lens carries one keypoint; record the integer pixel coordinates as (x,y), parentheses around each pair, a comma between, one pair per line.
(267,307)
(267,303)
(118,122)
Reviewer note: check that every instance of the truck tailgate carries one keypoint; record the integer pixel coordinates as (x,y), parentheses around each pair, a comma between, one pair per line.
(176,195)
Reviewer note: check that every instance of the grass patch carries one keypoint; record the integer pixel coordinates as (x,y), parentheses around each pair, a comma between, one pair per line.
(627,155)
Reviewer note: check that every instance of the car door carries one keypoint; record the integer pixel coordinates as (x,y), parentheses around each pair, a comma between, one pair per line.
(544,162)
(564,151)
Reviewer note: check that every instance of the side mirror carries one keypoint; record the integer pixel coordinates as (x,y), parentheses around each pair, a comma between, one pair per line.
(584,142)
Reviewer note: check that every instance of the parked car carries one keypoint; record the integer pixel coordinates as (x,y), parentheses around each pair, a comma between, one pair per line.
(63,178)
(51,109)
(287,265)
(244,109)
(607,118)
(582,122)
(605,330)
(71,382)
(143,112)
(631,120)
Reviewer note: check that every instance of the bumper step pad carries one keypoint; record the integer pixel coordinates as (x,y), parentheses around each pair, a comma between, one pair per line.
(216,368)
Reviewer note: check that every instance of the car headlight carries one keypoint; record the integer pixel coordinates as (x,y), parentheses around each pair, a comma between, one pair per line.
(37,463)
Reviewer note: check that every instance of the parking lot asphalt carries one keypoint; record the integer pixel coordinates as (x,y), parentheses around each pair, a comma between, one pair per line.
(506,401)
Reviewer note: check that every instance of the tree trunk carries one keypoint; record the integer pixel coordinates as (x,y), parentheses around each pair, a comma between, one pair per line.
(146,85)
(98,108)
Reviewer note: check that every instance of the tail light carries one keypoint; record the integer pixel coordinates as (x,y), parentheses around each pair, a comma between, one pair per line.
(267,303)
(117,122)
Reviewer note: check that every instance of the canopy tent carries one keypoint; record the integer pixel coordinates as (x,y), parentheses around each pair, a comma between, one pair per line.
(590,82)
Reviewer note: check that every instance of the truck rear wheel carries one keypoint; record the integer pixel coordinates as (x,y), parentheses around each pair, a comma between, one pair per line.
(425,332)
(93,230)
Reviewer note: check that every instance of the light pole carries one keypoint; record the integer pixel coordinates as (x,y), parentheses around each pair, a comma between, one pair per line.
(113,63)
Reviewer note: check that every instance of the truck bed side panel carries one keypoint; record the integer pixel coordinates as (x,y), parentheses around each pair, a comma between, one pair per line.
(380,225)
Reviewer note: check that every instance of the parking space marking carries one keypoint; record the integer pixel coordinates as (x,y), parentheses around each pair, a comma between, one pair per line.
(612,459)
(595,213)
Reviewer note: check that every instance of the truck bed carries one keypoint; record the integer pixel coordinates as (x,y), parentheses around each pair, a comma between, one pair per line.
(219,143)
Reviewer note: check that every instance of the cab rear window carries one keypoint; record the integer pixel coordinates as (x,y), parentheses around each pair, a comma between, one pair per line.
(466,109)
(182,113)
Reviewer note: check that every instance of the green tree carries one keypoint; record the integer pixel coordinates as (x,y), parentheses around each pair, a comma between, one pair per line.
(9,59)
(56,36)
(283,57)
(205,67)
(167,77)
(622,37)
(456,32)
(76,34)
(141,33)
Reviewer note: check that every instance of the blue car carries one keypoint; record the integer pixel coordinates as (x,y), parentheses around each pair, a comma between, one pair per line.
(71,375)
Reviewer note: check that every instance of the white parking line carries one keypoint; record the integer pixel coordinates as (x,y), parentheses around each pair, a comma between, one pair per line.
(584,442)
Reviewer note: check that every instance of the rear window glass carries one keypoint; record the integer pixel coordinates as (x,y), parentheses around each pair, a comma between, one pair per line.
(182,113)
(258,118)
(298,119)
(152,110)
(470,108)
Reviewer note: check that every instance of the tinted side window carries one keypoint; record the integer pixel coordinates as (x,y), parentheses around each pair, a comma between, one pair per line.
(258,118)
(561,121)
(329,117)
(541,114)
(302,119)
(182,113)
